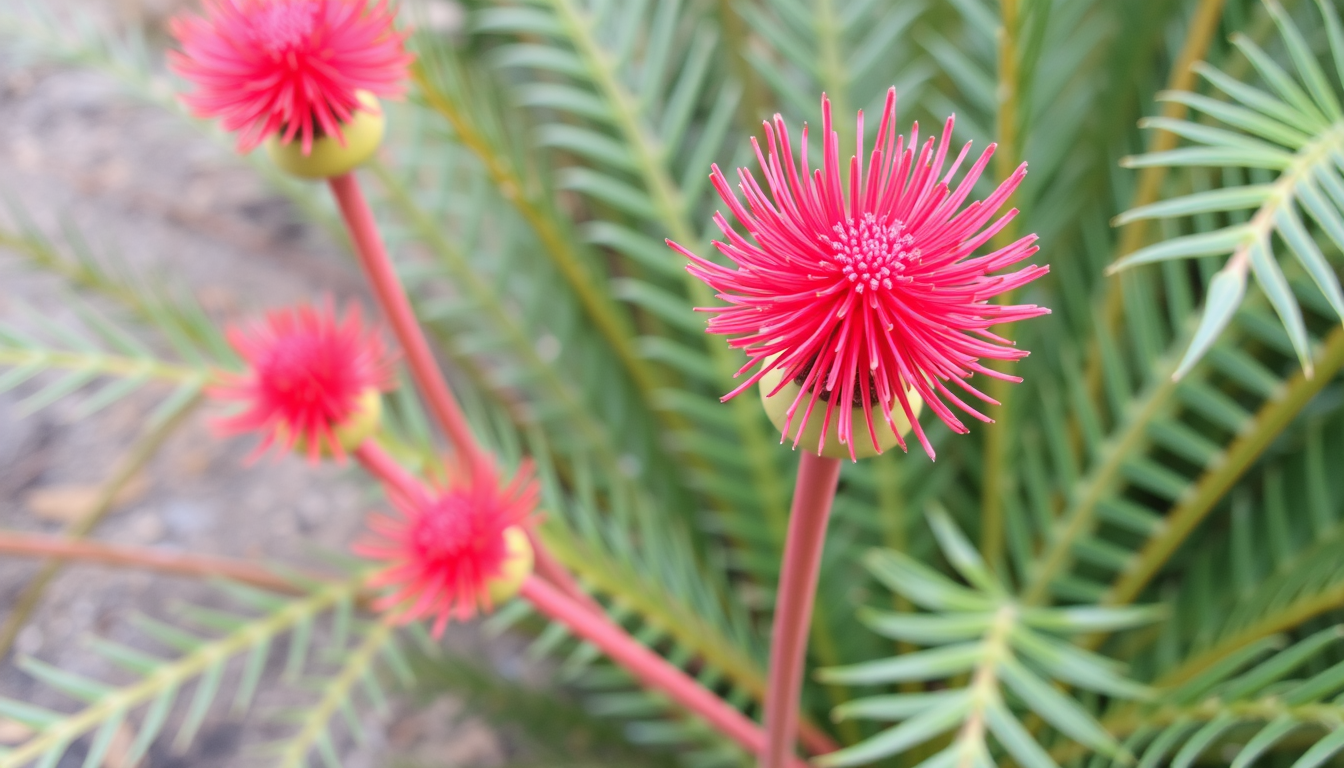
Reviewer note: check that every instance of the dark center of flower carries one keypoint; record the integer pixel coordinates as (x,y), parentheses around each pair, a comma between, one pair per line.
(825,396)
(871,252)
(282,28)
(446,531)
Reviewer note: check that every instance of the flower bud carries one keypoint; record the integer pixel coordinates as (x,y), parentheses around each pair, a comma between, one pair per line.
(777,406)
(358,426)
(516,568)
(328,157)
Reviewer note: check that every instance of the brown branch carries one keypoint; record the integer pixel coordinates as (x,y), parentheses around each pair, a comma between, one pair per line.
(138,456)
(190,565)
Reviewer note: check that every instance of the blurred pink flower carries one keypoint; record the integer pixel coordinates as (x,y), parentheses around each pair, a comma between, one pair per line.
(287,66)
(444,553)
(306,375)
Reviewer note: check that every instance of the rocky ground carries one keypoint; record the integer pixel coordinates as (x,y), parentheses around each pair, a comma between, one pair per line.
(76,151)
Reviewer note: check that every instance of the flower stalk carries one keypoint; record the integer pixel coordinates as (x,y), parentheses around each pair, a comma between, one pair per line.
(192,565)
(391,474)
(553,580)
(813,495)
(391,297)
(649,668)
(552,570)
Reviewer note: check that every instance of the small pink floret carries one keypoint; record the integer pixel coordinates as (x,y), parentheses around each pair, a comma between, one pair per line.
(441,552)
(290,67)
(305,373)
(865,288)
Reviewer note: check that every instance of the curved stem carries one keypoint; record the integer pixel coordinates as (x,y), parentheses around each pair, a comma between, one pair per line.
(662,610)
(380,464)
(140,454)
(392,298)
(555,572)
(178,564)
(812,498)
(648,667)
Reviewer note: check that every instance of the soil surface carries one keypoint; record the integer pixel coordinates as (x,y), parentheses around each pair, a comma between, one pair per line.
(76,151)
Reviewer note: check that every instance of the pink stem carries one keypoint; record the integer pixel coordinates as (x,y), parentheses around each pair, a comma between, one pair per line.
(176,563)
(652,670)
(378,463)
(392,297)
(812,498)
(555,572)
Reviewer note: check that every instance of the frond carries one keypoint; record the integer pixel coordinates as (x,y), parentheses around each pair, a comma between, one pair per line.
(174,314)
(1294,130)
(1272,696)
(76,359)
(640,120)
(355,676)
(848,50)
(1269,564)
(663,594)
(1010,652)
(159,681)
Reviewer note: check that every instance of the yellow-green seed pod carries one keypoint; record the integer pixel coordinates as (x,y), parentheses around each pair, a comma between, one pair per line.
(517,567)
(328,157)
(359,426)
(776,408)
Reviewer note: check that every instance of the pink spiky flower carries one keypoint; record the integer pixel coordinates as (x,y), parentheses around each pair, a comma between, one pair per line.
(290,67)
(312,381)
(455,551)
(867,286)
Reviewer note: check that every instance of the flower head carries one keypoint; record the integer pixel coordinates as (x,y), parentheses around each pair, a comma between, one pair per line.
(288,67)
(458,550)
(311,381)
(865,291)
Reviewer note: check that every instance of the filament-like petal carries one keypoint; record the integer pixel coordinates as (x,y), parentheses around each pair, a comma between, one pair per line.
(863,290)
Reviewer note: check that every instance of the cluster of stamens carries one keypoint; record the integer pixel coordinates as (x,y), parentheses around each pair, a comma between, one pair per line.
(445,531)
(872,253)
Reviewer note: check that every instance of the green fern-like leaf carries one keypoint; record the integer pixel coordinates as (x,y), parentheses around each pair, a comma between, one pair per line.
(1003,646)
(1297,131)
(159,680)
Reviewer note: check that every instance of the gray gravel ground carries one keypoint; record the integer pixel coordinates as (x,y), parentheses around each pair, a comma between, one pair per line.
(74,149)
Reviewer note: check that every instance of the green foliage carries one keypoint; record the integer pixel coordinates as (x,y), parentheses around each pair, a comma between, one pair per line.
(557,732)
(160,681)
(1003,646)
(1258,699)
(1296,132)
(1173,442)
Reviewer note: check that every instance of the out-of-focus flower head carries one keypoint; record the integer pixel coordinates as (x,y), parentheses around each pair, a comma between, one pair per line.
(312,380)
(288,67)
(458,550)
(864,291)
